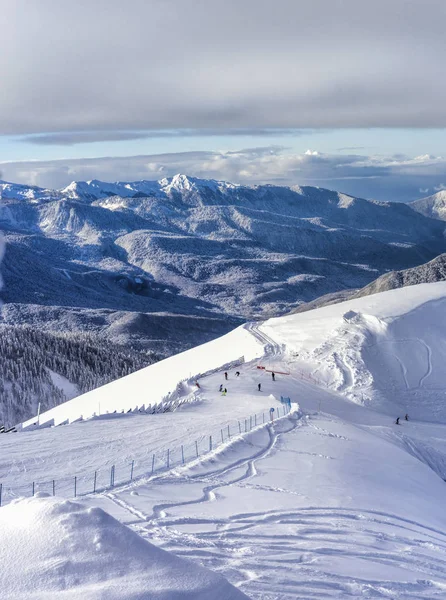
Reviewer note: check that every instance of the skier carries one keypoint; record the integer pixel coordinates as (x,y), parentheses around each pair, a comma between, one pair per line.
(197,384)
(221,387)
(237,373)
(397,422)
(273,375)
(259,387)
(226,375)
(406,416)
(224,392)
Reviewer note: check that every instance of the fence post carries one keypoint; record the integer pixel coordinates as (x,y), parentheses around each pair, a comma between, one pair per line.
(210,443)
(246,425)
(153,463)
(229,432)
(131,473)
(94,483)
(221,431)
(182,453)
(255,420)
(239,427)
(33,488)
(196,447)
(168,457)
(75,486)
(112,476)
(250,423)
(54,488)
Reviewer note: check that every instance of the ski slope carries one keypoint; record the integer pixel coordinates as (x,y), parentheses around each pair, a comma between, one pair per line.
(331,501)
(385,351)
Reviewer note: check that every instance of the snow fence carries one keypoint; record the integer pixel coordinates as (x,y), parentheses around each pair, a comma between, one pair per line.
(152,464)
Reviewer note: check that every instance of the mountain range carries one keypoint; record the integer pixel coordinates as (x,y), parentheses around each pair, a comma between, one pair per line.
(167,264)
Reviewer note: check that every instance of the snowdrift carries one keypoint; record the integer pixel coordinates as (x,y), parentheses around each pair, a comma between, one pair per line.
(61,549)
(155,383)
(386,351)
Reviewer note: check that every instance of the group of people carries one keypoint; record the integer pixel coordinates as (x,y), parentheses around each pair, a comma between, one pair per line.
(224,391)
(406,418)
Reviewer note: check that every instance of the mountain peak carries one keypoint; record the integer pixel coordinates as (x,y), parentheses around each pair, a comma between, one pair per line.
(432,206)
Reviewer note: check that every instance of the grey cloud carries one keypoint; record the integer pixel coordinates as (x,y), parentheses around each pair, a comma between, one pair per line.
(71,138)
(381,178)
(170,64)
(81,137)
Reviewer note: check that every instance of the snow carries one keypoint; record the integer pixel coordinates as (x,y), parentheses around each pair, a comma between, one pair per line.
(333,500)
(153,384)
(61,549)
(70,390)
(432,206)
(383,350)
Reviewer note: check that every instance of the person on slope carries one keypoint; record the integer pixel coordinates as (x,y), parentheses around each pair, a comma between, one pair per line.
(406,416)
(220,389)
(226,375)
(224,392)
(237,373)
(273,376)
(397,422)
(259,387)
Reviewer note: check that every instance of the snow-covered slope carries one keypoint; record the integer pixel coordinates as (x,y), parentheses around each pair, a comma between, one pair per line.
(432,206)
(155,383)
(61,549)
(333,500)
(385,351)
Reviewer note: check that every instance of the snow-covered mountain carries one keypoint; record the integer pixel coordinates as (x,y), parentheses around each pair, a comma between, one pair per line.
(332,499)
(148,261)
(430,272)
(432,206)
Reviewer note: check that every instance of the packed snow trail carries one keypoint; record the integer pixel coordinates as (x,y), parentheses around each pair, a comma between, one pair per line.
(260,522)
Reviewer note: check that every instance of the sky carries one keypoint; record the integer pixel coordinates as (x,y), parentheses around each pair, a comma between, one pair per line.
(344,94)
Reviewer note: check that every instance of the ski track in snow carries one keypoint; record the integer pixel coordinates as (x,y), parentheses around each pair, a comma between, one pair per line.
(289,554)
(275,554)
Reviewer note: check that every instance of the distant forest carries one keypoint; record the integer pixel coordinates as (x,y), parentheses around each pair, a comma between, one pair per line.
(28,355)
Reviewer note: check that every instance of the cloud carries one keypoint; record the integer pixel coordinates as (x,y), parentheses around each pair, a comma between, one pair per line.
(71,138)
(383,178)
(108,65)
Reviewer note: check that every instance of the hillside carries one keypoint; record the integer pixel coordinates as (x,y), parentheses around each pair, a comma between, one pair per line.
(434,270)
(292,508)
(432,206)
(165,252)
(49,368)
